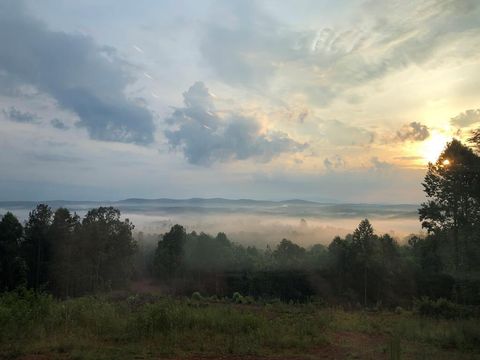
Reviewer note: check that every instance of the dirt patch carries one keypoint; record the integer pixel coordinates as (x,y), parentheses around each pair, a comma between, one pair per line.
(145,286)
(354,345)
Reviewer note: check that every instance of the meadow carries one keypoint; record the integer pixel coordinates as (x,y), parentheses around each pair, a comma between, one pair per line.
(132,326)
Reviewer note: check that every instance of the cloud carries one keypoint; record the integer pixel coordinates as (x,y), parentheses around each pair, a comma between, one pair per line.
(302,116)
(49,157)
(335,162)
(205,137)
(413,157)
(245,45)
(81,76)
(232,44)
(341,134)
(19,116)
(414,131)
(377,164)
(467,118)
(58,124)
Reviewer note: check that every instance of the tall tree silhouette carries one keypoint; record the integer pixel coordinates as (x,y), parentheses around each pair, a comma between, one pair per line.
(36,247)
(169,255)
(452,209)
(12,266)
(108,243)
(64,240)
(363,245)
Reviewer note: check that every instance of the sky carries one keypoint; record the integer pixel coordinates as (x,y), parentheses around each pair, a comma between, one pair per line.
(320,100)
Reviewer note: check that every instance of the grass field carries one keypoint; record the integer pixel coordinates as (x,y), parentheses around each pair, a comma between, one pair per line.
(149,327)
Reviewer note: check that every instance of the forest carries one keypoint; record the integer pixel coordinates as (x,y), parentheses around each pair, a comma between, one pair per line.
(86,266)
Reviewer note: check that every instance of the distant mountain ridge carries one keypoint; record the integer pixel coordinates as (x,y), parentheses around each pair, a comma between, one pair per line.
(166,207)
(217,201)
(195,201)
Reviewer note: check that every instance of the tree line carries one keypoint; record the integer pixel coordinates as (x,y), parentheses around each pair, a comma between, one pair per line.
(65,255)
(68,256)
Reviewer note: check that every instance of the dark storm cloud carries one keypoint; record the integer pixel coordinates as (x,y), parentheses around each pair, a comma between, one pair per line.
(414,131)
(82,77)
(466,118)
(19,116)
(205,137)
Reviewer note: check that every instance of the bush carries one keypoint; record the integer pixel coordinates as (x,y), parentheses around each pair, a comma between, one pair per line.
(197,296)
(97,315)
(238,298)
(24,311)
(442,308)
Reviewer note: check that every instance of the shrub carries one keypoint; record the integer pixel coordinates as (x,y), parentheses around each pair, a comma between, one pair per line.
(442,308)
(238,298)
(24,311)
(197,296)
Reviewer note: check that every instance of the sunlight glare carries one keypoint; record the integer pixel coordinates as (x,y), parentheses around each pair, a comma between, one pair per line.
(433,147)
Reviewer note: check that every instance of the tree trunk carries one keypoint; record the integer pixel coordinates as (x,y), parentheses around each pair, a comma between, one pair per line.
(455,241)
(365,286)
(37,267)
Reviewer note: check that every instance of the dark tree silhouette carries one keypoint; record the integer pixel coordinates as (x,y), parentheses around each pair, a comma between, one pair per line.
(288,254)
(36,247)
(475,139)
(64,237)
(363,245)
(12,266)
(169,256)
(108,244)
(452,208)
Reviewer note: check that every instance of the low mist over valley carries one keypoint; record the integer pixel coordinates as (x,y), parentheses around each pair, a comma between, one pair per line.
(250,222)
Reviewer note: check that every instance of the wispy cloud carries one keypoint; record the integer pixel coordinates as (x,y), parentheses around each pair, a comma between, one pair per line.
(339,133)
(246,46)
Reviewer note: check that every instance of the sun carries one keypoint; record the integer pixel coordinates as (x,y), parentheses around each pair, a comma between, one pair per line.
(433,147)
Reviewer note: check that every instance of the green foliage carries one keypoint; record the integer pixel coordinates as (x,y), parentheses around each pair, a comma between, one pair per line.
(196,296)
(24,313)
(289,255)
(37,250)
(442,308)
(108,246)
(238,298)
(169,255)
(96,327)
(64,237)
(12,265)
(68,257)
(30,318)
